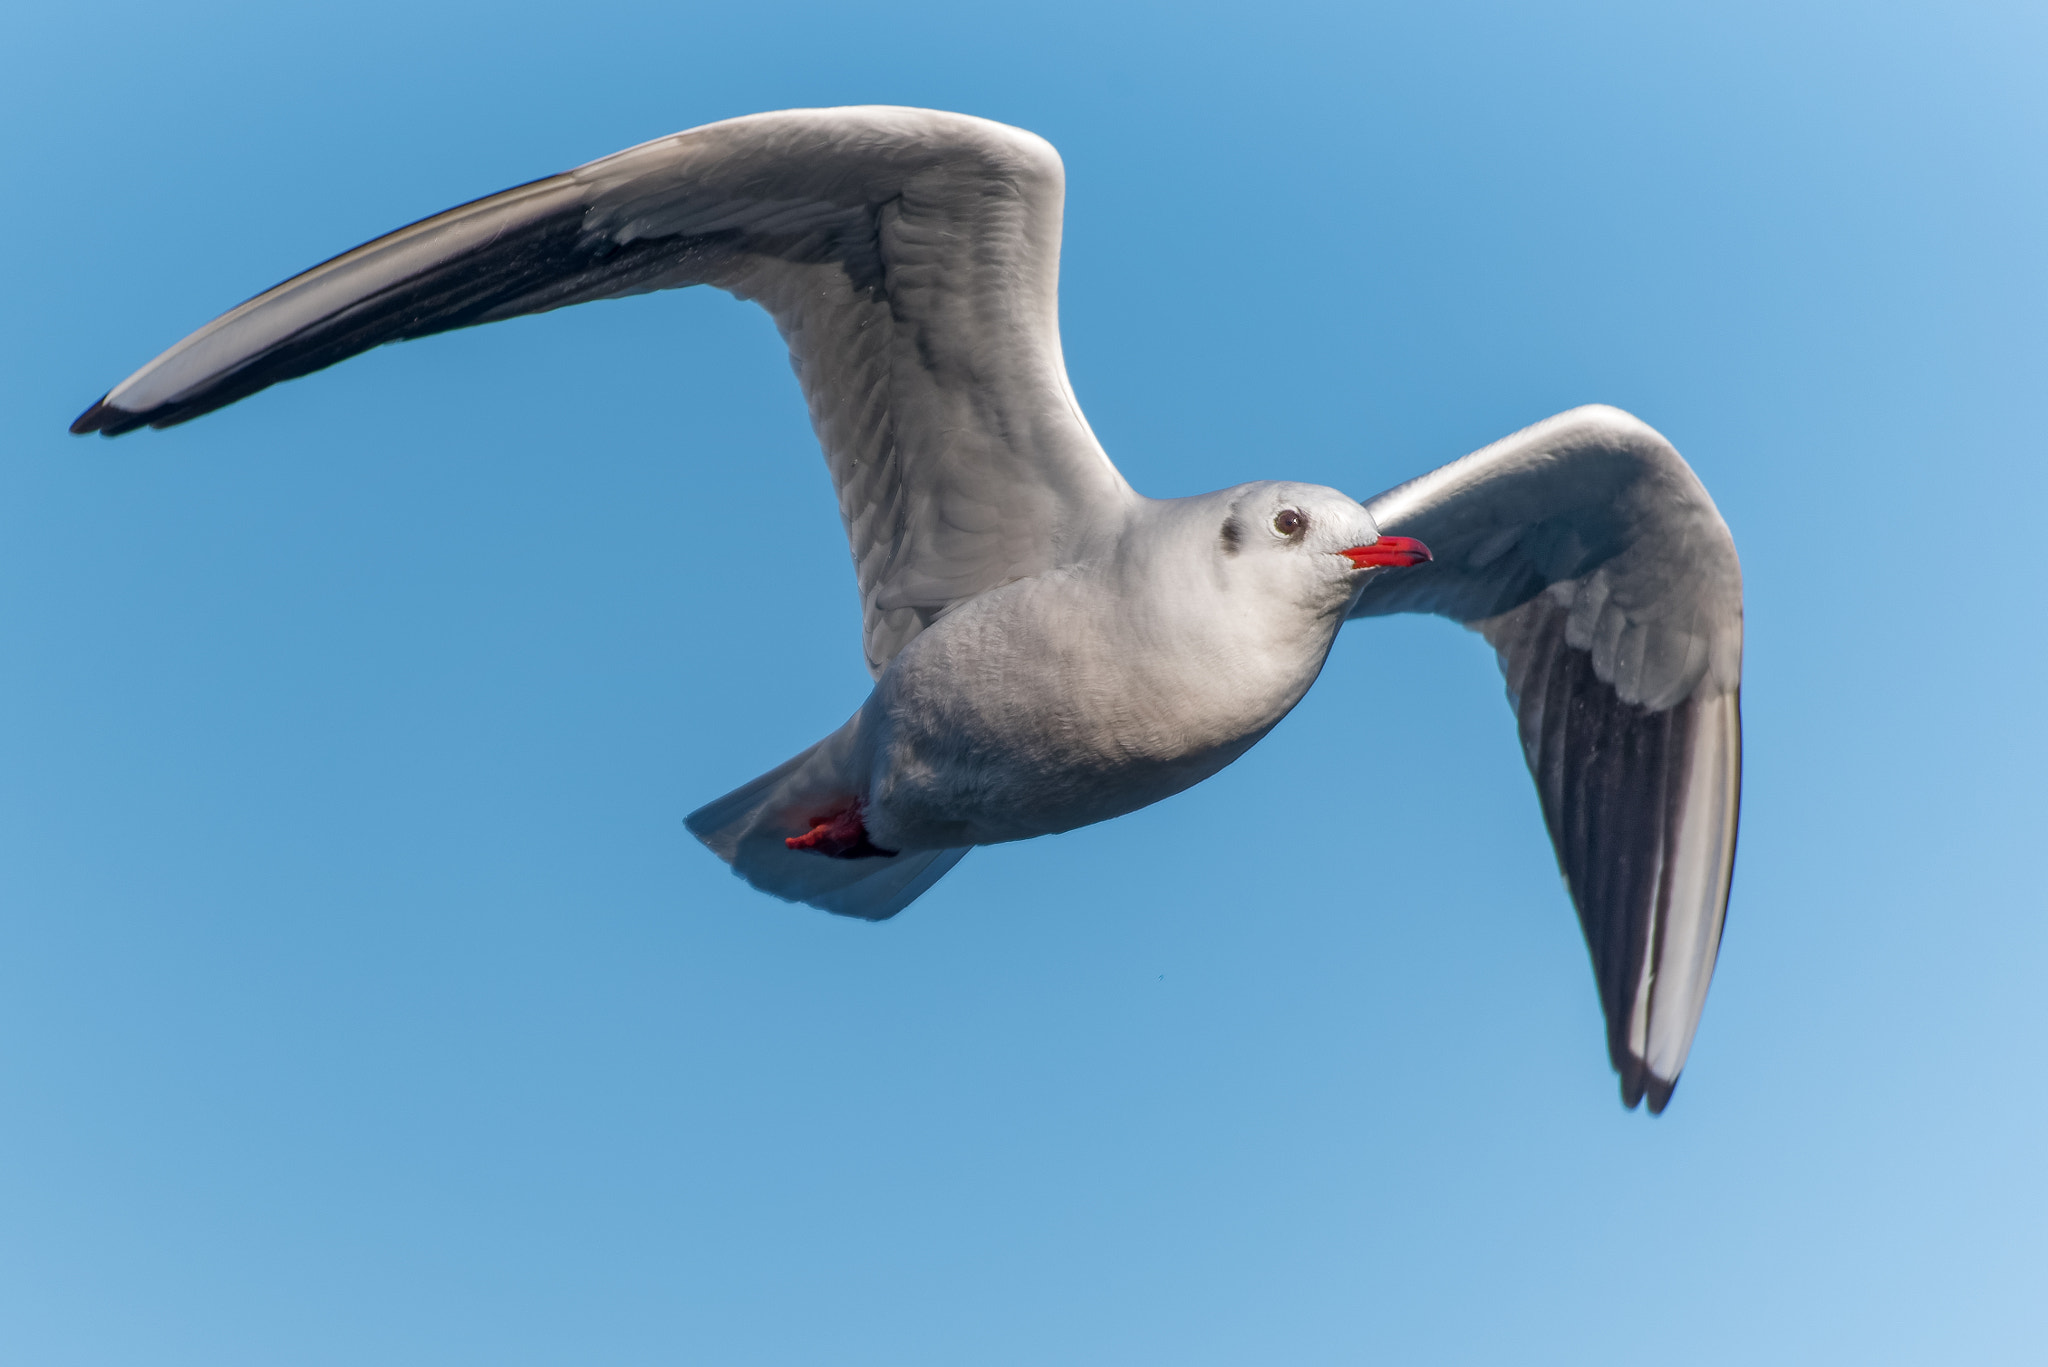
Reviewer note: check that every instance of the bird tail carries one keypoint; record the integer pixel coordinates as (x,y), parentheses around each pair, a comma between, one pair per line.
(750,828)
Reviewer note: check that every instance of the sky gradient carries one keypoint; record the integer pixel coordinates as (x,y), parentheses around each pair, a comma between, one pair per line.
(362,998)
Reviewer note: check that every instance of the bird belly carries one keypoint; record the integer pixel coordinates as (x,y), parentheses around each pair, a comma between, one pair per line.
(1023,714)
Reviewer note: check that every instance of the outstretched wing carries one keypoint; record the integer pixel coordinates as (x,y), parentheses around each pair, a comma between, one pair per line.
(910,258)
(1588,554)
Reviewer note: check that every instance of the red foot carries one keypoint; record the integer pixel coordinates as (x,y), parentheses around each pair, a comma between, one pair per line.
(839,834)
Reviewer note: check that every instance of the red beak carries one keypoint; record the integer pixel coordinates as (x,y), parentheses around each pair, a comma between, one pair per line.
(1400,552)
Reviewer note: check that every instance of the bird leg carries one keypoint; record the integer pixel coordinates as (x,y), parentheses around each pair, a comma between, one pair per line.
(839,834)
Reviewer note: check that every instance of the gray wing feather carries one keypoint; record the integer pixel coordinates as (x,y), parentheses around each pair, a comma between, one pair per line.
(910,259)
(1589,555)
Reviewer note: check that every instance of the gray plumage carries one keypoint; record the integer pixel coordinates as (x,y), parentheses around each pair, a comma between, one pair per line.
(1050,647)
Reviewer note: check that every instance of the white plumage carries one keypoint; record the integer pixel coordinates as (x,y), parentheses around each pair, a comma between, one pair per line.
(1051,648)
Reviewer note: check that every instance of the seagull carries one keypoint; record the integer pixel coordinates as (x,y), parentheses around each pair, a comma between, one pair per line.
(1049,647)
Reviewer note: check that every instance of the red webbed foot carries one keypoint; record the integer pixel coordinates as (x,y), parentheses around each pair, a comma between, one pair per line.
(839,834)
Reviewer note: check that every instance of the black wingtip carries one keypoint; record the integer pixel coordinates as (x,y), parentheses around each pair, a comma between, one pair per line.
(1633,1076)
(1639,1084)
(107,420)
(92,419)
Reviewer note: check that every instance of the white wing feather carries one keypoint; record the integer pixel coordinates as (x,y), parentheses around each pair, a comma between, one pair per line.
(1588,554)
(910,258)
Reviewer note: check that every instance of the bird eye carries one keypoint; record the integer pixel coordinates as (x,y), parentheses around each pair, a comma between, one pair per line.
(1290,522)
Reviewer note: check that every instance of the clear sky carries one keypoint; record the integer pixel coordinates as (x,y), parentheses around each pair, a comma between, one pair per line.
(363,1000)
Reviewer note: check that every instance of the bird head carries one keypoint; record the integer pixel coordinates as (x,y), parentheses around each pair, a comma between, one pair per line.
(1312,541)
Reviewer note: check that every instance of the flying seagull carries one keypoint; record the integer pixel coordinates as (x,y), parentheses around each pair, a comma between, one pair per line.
(1049,647)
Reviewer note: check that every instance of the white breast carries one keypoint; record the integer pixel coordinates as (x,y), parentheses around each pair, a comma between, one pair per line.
(1079,695)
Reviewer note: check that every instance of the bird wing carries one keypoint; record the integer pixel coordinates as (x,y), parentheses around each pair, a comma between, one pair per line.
(910,259)
(1588,554)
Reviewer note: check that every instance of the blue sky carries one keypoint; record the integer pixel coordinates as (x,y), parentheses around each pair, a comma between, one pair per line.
(363,999)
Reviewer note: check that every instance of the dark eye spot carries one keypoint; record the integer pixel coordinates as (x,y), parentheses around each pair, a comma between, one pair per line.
(1290,522)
